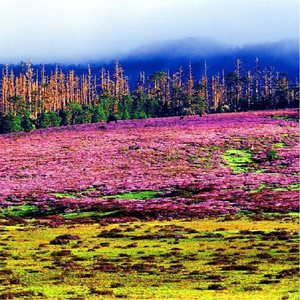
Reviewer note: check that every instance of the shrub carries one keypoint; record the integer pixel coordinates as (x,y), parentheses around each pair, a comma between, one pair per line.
(272,155)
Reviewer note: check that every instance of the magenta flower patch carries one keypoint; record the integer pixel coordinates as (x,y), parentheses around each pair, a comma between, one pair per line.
(198,167)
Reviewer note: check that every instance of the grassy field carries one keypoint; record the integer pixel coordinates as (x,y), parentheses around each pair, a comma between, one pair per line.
(199,208)
(241,258)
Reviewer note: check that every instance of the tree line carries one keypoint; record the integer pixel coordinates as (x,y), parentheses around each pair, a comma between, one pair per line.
(33,99)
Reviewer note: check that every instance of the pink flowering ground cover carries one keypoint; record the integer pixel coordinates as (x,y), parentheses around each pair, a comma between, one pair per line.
(222,164)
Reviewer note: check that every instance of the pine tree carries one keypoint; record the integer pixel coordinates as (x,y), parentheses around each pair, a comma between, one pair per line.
(190,86)
(125,107)
(98,114)
(11,123)
(140,107)
(26,122)
(281,91)
(256,88)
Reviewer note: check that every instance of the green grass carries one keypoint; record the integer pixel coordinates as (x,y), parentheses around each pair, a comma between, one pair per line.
(291,187)
(279,145)
(28,210)
(142,195)
(63,195)
(279,117)
(87,214)
(19,210)
(237,160)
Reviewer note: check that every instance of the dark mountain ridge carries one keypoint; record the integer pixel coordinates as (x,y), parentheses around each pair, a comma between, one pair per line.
(170,55)
(282,55)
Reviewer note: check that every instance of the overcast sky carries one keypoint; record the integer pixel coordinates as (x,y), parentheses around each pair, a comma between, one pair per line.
(76,30)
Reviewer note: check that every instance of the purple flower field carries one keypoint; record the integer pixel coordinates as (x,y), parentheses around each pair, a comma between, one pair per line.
(222,164)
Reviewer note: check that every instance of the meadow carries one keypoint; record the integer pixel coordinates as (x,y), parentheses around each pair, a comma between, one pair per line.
(163,208)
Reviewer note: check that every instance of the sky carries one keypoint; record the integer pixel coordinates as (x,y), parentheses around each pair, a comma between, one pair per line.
(74,31)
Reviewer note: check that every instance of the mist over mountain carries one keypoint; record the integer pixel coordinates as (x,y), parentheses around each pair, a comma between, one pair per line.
(188,48)
(171,54)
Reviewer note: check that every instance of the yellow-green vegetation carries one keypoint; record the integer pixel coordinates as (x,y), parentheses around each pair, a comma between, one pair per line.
(237,160)
(291,187)
(235,257)
(279,145)
(87,214)
(141,195)
(18,210)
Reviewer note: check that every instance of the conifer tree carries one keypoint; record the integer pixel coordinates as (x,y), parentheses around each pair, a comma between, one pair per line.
(98,114)
(27,123)
(11,123)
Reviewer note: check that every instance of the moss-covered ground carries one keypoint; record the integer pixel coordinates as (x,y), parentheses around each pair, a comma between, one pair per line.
(222,258)
(238,160)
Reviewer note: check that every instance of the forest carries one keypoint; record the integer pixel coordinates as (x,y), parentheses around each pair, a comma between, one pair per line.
(34,98)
